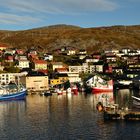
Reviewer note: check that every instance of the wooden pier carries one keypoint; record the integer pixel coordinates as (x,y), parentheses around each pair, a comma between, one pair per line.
(122,115)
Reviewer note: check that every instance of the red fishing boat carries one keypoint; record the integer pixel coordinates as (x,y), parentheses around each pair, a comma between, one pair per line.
(102,86)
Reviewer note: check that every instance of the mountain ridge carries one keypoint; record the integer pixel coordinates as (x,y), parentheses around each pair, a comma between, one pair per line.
(51,38)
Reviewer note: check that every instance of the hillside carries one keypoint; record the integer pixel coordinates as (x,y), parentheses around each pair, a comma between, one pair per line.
(55,37)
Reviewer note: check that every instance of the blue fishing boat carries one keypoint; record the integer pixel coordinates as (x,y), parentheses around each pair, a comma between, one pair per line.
(12,92)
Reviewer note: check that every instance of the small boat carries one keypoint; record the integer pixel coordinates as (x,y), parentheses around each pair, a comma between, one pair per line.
(74,89)
(59,91)
(47,93)
(136,101)
(12,94)
(68,91)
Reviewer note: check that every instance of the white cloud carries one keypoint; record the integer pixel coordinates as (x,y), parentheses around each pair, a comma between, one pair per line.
(29,11)
(16,19)
(59,6)
(86,5)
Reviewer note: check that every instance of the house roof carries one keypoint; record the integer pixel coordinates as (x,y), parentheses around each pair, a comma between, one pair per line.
(3,45)
(57,63)
(21,60)
(19,51)
(10,57)
(40,62)
(61,69)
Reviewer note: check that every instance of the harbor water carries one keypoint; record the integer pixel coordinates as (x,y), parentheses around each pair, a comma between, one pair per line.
(65,117)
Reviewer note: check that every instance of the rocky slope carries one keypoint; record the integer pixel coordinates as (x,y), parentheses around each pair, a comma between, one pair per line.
(55,37)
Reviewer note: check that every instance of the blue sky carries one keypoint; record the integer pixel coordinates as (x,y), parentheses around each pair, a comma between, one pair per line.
(27,14)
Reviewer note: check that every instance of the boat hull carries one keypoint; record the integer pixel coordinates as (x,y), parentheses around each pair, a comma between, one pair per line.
(75,91)
(101,89)
(14,96)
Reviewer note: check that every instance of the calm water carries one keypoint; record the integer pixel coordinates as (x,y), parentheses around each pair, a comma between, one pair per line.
(64,118)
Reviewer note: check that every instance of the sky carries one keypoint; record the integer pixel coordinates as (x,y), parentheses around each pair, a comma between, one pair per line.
(28,14)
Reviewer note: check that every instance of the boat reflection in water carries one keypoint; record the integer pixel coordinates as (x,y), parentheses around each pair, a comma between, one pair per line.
(12,110)
(123,98)
(104,98)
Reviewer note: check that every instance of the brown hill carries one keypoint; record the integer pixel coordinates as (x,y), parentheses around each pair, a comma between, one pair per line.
(55,37)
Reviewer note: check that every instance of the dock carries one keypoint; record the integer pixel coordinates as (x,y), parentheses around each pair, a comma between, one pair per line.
(122,115)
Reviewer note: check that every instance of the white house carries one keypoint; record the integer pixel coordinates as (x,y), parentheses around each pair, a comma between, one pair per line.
(6,78)
(73,77)
(71,52)
(22,64)
(48,57)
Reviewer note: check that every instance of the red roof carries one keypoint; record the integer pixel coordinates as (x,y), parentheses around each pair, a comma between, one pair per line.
(33,56)
(19,51)
(61,69)
(40,61)
(3,45)
(10,57)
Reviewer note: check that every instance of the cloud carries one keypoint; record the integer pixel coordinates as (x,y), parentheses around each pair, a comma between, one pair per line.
(30,11)
(59,6)
(16,19)
(86,5)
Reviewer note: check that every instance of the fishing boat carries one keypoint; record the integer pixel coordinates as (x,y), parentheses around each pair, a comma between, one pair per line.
(101,85)
(12,92)
(106,88)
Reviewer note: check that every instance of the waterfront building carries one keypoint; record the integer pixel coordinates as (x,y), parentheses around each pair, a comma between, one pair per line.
(59,78)
(35,83)
(54,82)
